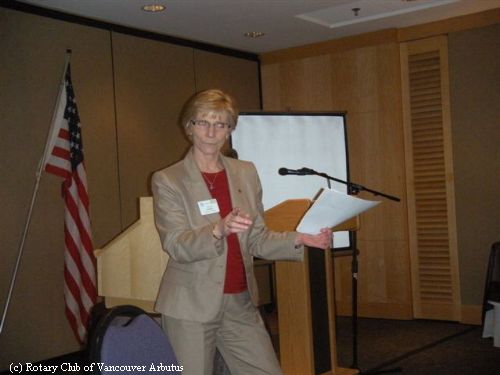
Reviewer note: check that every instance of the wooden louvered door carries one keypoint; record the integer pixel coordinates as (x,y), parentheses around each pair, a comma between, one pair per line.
(429,177)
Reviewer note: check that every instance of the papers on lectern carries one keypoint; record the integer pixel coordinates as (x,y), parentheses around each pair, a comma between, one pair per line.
(330,209)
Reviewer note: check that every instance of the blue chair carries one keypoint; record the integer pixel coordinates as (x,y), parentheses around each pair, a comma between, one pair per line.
(126,340)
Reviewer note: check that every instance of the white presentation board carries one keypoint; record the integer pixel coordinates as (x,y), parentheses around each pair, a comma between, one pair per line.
(312,140)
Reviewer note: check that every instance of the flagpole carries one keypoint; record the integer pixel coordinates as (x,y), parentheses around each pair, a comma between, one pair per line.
(41,164)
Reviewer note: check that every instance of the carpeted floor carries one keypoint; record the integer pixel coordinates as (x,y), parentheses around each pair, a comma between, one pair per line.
(418,347)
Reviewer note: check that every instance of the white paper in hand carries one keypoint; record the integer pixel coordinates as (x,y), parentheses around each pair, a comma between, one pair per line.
(330,209)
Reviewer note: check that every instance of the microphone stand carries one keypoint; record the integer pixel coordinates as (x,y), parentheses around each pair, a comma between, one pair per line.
(354,189)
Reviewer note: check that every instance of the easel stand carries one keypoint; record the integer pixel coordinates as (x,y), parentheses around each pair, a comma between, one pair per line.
(354,189)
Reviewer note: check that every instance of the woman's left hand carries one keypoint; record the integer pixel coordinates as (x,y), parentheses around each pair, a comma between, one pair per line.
(322,240)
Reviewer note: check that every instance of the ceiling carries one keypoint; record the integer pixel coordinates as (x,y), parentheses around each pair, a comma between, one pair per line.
(286,23)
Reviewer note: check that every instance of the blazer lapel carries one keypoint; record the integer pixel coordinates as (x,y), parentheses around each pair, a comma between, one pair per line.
(236,185)
(197,186)
(235,182)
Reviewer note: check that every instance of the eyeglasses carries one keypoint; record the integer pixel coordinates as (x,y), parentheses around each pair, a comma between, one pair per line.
(204,124)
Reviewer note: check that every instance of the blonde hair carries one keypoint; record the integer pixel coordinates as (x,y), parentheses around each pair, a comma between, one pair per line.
(212,100)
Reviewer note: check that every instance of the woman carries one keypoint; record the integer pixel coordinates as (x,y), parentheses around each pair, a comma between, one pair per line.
(209,215)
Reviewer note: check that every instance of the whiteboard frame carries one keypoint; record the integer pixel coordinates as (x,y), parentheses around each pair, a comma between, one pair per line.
(346,235)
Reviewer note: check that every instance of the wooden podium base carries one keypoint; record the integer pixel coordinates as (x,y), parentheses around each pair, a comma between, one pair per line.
(306,301)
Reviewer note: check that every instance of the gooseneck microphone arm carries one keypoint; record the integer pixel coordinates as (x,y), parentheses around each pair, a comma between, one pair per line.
(353,187)
(356,188)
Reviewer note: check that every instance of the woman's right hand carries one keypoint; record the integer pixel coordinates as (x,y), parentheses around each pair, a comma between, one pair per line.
(322,240)
(236,221)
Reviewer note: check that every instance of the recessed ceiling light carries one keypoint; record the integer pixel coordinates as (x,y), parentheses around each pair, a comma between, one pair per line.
(153,8)
(254,34)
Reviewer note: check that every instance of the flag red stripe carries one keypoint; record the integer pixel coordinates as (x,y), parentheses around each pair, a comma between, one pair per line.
(82,192)
(57,171)
(74,289)
(64,134)
(61,153)
(86,279)
(74,252)
(78,254)
(72,208)
(74,324)
(79,327)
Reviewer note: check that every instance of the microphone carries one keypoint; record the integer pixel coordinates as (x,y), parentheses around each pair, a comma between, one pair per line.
(299,172)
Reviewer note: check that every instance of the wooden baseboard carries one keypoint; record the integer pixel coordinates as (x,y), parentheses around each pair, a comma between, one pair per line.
(470,314)
(377,310)
(342,371)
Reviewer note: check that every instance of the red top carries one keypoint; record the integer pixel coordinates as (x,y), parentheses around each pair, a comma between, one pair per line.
(218,186)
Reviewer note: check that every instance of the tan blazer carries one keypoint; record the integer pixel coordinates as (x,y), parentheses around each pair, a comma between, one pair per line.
(192,286)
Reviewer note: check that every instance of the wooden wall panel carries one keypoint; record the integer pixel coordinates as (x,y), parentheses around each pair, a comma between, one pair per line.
(153,80)
(32,54)
(451,25)
(475,112)
(365,82)
(297,86)
(271,87)
(353,42)
(239,77)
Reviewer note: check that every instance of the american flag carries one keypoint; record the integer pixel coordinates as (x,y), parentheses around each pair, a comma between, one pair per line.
(64,158)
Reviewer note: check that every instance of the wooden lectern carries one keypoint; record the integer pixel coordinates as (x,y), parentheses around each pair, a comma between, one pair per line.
(295,316)
(130,267)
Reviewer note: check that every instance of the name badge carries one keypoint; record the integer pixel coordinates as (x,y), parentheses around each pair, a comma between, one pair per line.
(209,206)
